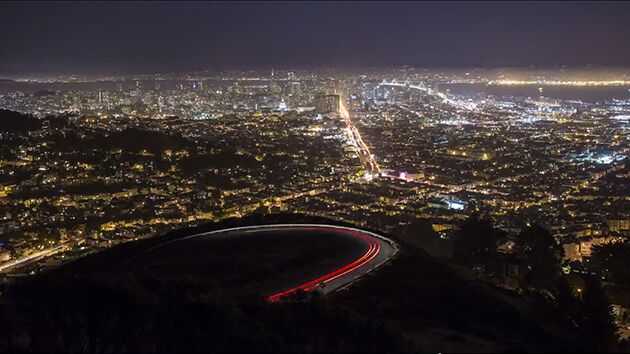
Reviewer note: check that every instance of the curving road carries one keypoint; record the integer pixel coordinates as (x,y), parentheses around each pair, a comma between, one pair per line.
(379,250)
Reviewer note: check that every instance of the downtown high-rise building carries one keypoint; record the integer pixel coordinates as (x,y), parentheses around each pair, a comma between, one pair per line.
(327,103)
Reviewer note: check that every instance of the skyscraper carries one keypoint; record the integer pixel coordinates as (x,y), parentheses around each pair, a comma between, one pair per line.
(327,103)
(295,88)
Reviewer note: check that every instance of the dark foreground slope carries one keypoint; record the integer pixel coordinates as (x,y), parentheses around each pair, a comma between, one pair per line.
(413,304)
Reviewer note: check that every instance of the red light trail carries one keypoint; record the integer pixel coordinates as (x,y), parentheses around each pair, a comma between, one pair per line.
(373,249)
(372,240)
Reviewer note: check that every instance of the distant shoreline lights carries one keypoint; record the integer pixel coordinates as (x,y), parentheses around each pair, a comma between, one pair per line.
(559,83)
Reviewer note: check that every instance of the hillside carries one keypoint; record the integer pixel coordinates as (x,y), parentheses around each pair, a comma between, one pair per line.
(414,304)
(14,122)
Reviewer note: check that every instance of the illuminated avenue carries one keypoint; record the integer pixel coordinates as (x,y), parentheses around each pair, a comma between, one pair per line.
(367,158)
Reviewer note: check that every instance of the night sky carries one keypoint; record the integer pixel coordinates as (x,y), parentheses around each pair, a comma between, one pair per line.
(100,38)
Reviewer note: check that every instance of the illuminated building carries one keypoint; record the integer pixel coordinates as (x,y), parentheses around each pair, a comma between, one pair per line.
(327,103)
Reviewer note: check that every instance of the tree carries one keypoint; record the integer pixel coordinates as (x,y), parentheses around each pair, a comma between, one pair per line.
(614,261)
(568,306)
(541,259)
(476,241)
(420,233)
(598,323)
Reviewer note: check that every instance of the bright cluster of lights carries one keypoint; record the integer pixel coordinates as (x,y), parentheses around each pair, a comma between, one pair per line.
(560,82)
